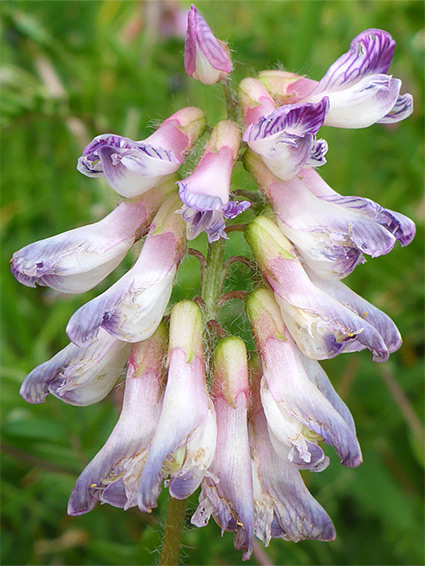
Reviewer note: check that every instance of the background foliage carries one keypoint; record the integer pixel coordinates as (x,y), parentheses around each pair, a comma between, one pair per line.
(72,70)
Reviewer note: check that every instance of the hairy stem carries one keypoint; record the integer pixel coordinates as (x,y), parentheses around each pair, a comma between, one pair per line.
(174,524)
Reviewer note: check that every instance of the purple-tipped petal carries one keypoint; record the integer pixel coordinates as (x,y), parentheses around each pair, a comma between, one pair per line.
(185,408)
(78,376)
(205,58)
(365,310)
(370,53)
(402,109)
(284,508)
(112,475)
(286,138)
(298,119)
(77,260)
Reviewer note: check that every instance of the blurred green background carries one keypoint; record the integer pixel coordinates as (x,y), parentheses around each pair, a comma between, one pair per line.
(72,70)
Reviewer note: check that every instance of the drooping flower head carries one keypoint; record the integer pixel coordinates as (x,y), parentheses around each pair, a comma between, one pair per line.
(113,475)
(206,58)
(283,506)
(299,411)
(133,167)
(205,193)
(331,232)
(184,441)
(77,260)
(227,490)
(320,324)
(133,307)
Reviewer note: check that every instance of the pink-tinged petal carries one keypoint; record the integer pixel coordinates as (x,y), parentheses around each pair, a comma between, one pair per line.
(402,109)
(205,58)
(185,436)
(255,100)
(227,490)
(285,87)
(331,232)
(370,53)
(205,193)
(113,474)
(207,188)
(79,259)
(78,376)
(132,308)
(285,139)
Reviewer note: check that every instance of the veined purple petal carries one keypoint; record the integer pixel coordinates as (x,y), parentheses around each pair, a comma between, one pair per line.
(286,139)
(233,208)
(332,232)
(298,119)
(370,53)
(78,376)
(131,172)
(202,52)
(317,154)
(396,224)
(402,109)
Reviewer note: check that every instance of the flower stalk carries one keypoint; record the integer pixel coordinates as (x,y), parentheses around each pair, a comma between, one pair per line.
(173,530)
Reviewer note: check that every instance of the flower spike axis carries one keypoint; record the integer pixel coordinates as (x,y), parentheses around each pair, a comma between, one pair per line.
(199,410)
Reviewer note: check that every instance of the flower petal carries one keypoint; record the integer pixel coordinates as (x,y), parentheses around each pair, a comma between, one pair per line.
(111,475)
(283,505)
(204,58)
(402,109)
(78,376)
(370,53)
(77,260)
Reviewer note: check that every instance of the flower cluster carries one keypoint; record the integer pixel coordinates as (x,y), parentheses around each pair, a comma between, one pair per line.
(242,426)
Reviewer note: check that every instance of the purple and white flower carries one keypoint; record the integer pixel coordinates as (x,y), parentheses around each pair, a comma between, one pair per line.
(206,59)
(78,376)
(205,193)
(77,260)
(227,488)
(331,232)
(286,138)
(298,412)
(283,506)
(133,167)
(359,89)
(113,475)
(184,441)
(133,307)
(321,326)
